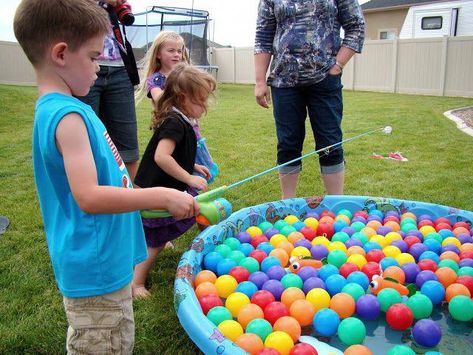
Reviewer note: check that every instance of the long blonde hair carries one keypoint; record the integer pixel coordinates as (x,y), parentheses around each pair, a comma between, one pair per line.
(152,64)
(183,81)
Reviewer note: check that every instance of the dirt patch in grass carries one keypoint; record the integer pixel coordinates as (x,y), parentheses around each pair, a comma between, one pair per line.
(466,115)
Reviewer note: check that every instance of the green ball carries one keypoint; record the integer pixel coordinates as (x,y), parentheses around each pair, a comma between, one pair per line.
(401,350)
(354,290)
(387,297)
(233,243)
(264,226)
(362,237)
(292,280)
(358,226)
(345,212)
(465,270)
(250,264)
(420,305)
(286,230)
(337,258)
(280,224)
(260,327)
(407,227)
(340,237)
(236,255)
(449,263)
(434,235)
(218,314)
(223,250)
(461,308)
(408,220)
(351,331)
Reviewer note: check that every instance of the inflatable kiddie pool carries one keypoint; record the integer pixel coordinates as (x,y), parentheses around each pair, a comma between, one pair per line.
(456,336)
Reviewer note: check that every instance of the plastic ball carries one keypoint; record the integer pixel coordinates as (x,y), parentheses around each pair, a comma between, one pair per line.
(427,333)
(246,249)
(266,247)
(226,284)
(319,251)
(265,225)
(208,302)
(358,260)
(446,276)
(268,351)
(274,311)
(467,281)
(308,233)
(399,316)
(351,331)
(275,287)
(249,263)
(387,262)
(325,229)
(404,258)
(289,325)
(260,327)
(203,276)
(396,273)
(303,311)
(286,230)
(268,262)
(249,312)
(254,231)
(239,273)
(311,283)
(434,290)
(359,278)
(357,349)
(233,243)
(387,297)
(401,350)
(276,272)
(456,290)
(303,349)
(211,260)
(243,237)
(335,283)
(347,268)
(370,269)
(410,271)
(250,342)
(282,256)
(235,302)
(292,294)
(206,288)
(276,239)
(262,298)
(259,239)
(258,254)
(427,264)
(420,305)
(354,290)
(343,304)
(280,341)
(465,271)
(295,236)
(301,251)
(292,280)
(461,308)
(327,270)
(424,276)
(291,219)
(312,223)
(258,278)
(230,329)
(326,322)
(306,272)
(238,255)
(319,298)
(218,314)
(368,307)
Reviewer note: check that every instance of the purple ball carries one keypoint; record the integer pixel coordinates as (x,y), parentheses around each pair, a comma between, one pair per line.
(313,282)
(243,237)
(415,233)
(383,230)
(466,262)
(275,287)
(392,213)
(303,243)
(270,232)
(258,278)
(417,249)
(353,242)
(307,272)
(464,238)
(401,244)
(424,276)
(425,216)
(312,215)
(402,234)
(348,230)
(359,219)
(319,251)
(276,272)
(367,307)
(411,270)
(451,247)
(374,217)
(426,333)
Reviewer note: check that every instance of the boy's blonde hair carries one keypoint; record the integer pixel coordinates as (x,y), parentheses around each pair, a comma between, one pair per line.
(40,23)
(150,62)
(183,81)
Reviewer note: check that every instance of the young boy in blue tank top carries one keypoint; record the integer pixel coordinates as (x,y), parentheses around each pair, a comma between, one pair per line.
(88,204)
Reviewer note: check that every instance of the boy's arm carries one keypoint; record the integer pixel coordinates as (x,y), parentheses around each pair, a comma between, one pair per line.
(73,143)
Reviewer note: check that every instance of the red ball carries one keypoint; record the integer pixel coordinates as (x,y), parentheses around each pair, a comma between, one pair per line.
(262,298)
(442,220)
(239,273)
(327,213)
(370,269)
(258,255)
(303,349)
(375,255)
(425,222)
(274,311)
(361,213)
(208,302)
(467,281)
(442,225)
(347,268)
(466,255)
(411,240)
(268,351)
(391,219)
(427,264)
(462,224)
(308,233)
(257,240)
(325,229)
(399,316)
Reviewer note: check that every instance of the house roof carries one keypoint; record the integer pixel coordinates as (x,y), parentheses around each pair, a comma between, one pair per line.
(382,5)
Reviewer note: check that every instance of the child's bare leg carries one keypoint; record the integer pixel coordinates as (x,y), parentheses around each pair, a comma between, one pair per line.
(141,273)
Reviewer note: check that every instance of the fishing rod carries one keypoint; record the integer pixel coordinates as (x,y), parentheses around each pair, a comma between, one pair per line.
(214,208)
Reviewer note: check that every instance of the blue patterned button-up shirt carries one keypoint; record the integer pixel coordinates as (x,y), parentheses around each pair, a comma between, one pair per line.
(304,37)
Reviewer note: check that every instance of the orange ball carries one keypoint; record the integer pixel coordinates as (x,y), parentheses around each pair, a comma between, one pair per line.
(292,294)
(396,273)
(455,290)
(204,275)
(206,288)
(460,230)
(343,304)
(393,225)
(250,342)
(249,312)
(344,218)
(466,247)
(281,255)
(326,219)
(356,250)
(374,224)
(294,237)
(446,276)
(287,246)
(368,231)
(357,349)
(289,325)
(303,311)
(450,255)
(409,215)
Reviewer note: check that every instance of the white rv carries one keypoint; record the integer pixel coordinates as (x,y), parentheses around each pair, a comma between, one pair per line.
(448,18)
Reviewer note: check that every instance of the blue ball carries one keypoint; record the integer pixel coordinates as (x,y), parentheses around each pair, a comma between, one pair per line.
(445,233)
(360,278)
(376,212)
(211,260)
(326,322)
(247,287)
(339,225)
(427,333)
(368,307)
(224,266)
(327,270)
(246,248)
(387,262)
(335,283)
(433,245)
(298,225)
(268,262)
(429,255)
(434,290)
(266,247)
(370,246)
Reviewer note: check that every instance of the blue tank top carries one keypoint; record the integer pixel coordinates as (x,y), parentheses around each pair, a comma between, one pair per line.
(91,254)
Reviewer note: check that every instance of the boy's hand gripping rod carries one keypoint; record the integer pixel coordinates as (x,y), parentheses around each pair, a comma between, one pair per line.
(214,208)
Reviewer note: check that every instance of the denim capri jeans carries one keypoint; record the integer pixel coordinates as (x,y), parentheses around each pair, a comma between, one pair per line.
(323,102)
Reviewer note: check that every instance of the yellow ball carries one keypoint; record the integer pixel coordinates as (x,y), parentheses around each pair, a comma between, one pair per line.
(392,236)
(226,284)
(368,231)
(235,301)
(451,240)
(300,251)
(405,258)
(276,239)
(344,218)
(291,219)
(281,341)
(337,246)
(391,251)
(357,259)
(321,240)
(254,231)
(311,222)
(231,329)
(380,240)
(426,230)
(319,298)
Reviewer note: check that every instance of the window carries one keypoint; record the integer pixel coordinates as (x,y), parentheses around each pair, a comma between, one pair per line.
(432,23)
(387,34)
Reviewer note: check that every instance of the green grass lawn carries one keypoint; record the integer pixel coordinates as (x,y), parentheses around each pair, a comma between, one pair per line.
(241,138)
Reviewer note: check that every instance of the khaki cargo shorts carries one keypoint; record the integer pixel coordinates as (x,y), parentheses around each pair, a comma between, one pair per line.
(102,324)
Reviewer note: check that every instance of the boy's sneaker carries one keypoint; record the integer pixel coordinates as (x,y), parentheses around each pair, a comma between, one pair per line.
(397,156)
